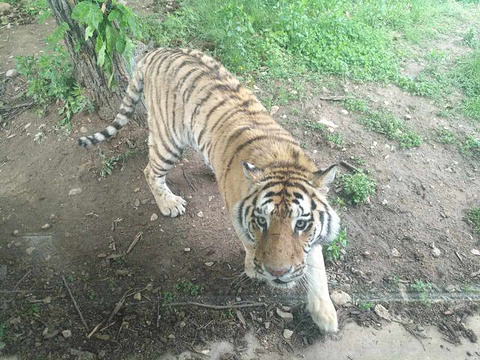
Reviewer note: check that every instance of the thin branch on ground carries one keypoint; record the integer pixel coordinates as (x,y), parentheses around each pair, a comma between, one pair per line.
(23,278)
(350,166)
(188,180)
(217,307)
(74,302)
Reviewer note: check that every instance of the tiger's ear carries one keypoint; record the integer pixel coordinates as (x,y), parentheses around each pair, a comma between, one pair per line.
(251,172)
(324,177)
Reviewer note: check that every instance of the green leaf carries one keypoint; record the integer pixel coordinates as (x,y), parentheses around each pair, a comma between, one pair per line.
(110,35)
(98,44)
(88,13)
(101,55)
(120,45)
(114,15)
(89,32)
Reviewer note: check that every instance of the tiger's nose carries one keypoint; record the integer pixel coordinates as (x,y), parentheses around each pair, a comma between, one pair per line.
(277,270)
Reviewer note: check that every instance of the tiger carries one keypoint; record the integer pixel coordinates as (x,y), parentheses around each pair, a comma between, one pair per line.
(274,193)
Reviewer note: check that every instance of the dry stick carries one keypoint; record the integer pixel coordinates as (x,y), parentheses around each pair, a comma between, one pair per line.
(74,302)
(135,241)
(216,307)
(350,166)
(335,98)
(188,180)
(23,278)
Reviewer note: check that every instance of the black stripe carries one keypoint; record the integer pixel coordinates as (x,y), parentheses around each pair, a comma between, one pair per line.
(267,201)
(105,133)
(116,125)
(212,110)
(298,195)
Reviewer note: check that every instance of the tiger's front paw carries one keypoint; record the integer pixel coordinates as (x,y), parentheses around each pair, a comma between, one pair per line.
(324,315)
(171,205)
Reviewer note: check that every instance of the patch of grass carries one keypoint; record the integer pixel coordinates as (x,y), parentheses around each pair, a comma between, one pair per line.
(424,291)
(365,306)
(470,146)
(333,137)
(3,335)
(468,75)
(471,39)
(473,216)
(188,288)
(34,309)
(109,164)
(357,105)
(336,248)
(33,9)
(446,136)
(394,128)
(358,187)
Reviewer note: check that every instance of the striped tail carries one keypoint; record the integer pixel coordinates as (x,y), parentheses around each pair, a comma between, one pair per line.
(131,98)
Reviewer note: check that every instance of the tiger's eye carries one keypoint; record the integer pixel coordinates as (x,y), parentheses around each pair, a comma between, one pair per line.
(300,225)
(261,221)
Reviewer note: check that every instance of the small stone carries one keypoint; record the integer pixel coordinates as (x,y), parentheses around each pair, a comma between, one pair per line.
(52,216)
(46,226)
(137,296)
(382,312)
(384,202)
(136,190)
(274,109)
(344,112)
(15,232)
(287,334)
(67,333)
(153,217)
(84,355)
(5,8)
(47,300)
(74,192)
(267,325)
(136,203)
(395,253)
(182,324)
(83,130)
(367,254)
(340,298)
(286,316)
(102,255)
(187,249)
(408,117)
(200,214)
(475,252)
(30,250)
(171,337)
(11,73)
(450,288)
(436,252)
(209,263)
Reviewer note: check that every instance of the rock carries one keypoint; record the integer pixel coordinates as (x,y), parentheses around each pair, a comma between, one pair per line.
(74,192)
(83,130)
(274,109)
(182,324)
(5,8)
(137,296)
(67,333)
(436,252)
(187,249)
(340,297)
(287,334)
(475,252)
(327,123)
(382,312)
(344,112)
(286,316)
(395,253)
(12,72)
(136,203)
(450,288)
(83,355)
(408,117)
(47,300)
(267,325)
(171,337)
(15,232)
(200,214)
(209,263)
(384,202)
(153,217)
(29,250)
(46,226)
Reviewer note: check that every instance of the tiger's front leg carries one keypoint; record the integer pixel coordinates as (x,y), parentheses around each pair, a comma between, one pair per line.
(319,303)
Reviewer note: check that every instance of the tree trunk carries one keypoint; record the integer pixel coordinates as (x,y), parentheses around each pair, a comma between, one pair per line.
(86,71)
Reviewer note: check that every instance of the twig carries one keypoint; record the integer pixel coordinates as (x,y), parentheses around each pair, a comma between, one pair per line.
(335,98)
(23,277)
(16,106)
(350,166)
(74,302)
(135,241)
(458,256)
(188,180)
(94,330)
(119,305)
(216,307)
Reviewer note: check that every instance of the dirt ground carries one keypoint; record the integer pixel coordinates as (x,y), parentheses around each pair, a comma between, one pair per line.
(55,241)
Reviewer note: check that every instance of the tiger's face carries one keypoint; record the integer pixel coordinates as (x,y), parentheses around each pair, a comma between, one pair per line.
(283,216)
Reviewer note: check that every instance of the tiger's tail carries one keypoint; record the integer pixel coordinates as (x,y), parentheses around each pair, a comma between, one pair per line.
(127,108)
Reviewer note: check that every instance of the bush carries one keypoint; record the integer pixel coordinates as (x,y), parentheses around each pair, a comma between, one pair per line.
(358,187)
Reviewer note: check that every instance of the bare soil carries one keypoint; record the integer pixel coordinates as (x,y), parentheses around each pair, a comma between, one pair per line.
(421,200)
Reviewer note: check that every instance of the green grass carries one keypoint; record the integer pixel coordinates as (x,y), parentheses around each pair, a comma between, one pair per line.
(470,147)
(109,164)
(336,248)
(358,105)
(473,216)
(188,288)
(424,291)
(446,136)
(468,76)
(358,187)
(321,129)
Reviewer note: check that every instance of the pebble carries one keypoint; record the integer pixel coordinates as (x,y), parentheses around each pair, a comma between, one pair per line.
(15,232)
(83,130)
(287,334)
(67,333)
(340,297)
(395,253)
(286,316)
(11,73)
(136,203)
(182,324)
(74,192)
(475,252)
(382,312)
(153,217)
(267,325)
(209,263)
(344,112)
(29,250)
(408,117)
(46,226)
(384,202)
(137,296)
(450,288)
(436,252)
(200,214)
(171,336)
(187,249)
(84,355)
(274,109)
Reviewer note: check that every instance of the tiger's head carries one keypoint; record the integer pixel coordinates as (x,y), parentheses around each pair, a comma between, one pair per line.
(283,216)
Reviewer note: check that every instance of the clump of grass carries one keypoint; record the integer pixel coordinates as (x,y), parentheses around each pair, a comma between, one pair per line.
(473,216)
(468,76)
(394,128)
(470,146)
(357,105)
(358,187)
(109,164)
(188,288)
(424,289)
(334,137)
(446,136)
(336,248)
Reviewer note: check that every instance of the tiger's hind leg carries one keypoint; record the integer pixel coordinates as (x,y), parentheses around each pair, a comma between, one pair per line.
(155,174)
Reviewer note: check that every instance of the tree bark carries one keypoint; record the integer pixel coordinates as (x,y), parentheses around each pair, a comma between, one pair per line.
(86,71)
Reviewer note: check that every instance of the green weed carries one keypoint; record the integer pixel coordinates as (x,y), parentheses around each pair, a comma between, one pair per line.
(470,39)
(336,248)
(32,9)
(188,288)
(473,216)
(446,136)
(109,164)
(357,105)
(358,187)
(468,75)
(470,146)
(365,306)
(424,291)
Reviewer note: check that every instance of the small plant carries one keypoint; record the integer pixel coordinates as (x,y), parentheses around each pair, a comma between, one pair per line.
(446,136)
(358,105)
(189,288)
(470,146)
(34,309)
(358,187)
(473,216)
(470,39)
(168,297)
(365,306)
(111,163)
(336,248)
(314,126)
(424,291)
(39,137)
(3,331)
(335,138)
